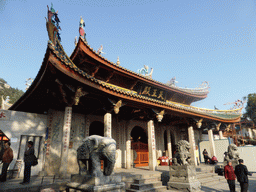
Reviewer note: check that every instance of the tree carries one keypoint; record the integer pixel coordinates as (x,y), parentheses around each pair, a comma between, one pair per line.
(13,93)
(250,109)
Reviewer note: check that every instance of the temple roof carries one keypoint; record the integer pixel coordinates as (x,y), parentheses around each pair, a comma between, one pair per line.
(93,85)
(59,78)
(92,62)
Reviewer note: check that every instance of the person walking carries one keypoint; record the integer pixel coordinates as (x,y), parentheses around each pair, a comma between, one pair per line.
(241,172)
(230,176)
(28,159)
(7,159)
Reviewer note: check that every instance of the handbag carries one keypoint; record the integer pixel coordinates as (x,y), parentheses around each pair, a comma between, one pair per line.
(35,161)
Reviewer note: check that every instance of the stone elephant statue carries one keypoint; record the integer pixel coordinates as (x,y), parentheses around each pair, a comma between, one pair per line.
(94,149)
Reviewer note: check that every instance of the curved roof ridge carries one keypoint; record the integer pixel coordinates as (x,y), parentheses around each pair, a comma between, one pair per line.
(186,90)
(221,114)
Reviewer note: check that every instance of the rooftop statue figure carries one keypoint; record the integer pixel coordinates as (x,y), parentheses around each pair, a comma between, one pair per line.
(172,82)
(53,25)
(100,50)
(81,28)
(144,71)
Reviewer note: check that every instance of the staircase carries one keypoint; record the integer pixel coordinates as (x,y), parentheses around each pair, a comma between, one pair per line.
(206,174)
(147,183)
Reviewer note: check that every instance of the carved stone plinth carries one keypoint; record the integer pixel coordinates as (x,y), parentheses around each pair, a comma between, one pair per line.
(97,184)
(183,177)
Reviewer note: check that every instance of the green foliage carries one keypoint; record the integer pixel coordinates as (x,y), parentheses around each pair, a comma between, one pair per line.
(2,81)
(13,93)
(251,107)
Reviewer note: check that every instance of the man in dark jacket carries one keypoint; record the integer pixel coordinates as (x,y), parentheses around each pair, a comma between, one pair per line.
(230,176)
(242,175)
(28,159)
(7,159)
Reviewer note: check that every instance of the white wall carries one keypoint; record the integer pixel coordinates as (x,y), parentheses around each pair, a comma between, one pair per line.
(15,124)
(220,147)
(248,154)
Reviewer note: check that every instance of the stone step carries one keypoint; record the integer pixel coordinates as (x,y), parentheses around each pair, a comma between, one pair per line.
(146,181)
(146,186)
(205,175)
(156,189)
(207,168)
(138,176)
(203,181)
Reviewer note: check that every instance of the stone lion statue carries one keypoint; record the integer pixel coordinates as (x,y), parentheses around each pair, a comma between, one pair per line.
(232,154)
(182,155)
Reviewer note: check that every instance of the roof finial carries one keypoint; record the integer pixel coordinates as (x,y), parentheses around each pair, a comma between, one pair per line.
(118,62)
(75,41)
(81,28)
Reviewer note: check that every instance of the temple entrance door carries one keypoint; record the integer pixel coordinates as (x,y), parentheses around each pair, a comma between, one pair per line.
(139,147)
(96,128)
(172,143)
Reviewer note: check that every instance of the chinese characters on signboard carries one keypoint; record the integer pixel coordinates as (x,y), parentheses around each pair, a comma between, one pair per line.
(152,92)
(153,137)
(48,141)
(66,130)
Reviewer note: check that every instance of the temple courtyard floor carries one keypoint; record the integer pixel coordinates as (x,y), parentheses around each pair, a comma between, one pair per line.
(210,181)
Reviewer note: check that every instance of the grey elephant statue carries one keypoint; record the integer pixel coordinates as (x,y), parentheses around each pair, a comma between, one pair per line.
(94,149)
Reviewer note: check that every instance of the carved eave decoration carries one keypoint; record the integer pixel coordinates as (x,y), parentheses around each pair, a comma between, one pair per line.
(79,93)
(199,123)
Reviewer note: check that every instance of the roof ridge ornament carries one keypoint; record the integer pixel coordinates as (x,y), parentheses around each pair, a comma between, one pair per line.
(100,50)
(81,28)
(144,71)
(118,62)
(52,25)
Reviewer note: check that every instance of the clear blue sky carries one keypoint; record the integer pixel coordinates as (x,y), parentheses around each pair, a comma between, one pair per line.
(196,41)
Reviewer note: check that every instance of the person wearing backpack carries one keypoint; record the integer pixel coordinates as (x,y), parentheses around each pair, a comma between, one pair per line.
(28,159)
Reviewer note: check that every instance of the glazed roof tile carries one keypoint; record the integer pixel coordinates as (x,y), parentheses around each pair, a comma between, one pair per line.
(221,114)
(148,78)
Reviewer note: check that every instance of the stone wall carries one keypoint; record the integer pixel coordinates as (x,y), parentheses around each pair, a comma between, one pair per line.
(80,124)
(16,125)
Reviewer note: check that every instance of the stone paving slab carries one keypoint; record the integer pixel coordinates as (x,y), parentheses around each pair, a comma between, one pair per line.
(36,183)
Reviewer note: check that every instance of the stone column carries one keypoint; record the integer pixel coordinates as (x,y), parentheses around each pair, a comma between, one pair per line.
(250,133)
(65,141)
(191,138)
(108,125)
(128,154)
(169,143)
(221,135)
(212,145)
(87,127)
(152,146)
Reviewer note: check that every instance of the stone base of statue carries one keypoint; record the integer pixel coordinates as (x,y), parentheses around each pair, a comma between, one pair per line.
(183,178)
(97,184)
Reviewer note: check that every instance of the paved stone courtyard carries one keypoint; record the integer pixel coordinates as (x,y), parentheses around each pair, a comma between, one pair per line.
(38,183)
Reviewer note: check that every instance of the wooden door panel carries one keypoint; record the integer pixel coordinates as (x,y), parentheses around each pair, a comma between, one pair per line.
(142,154)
